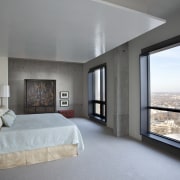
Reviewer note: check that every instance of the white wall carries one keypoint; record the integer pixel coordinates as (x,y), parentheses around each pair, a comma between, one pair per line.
(169,30)
(4,75)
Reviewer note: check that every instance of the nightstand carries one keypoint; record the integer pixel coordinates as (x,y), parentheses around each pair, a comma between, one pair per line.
(67,113)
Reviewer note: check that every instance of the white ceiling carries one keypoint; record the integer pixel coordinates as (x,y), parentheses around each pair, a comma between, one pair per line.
(71,30)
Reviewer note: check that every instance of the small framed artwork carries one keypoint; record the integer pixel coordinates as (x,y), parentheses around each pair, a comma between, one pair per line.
(64,103)
(64,94)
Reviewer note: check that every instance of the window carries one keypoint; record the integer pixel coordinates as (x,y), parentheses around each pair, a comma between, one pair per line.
(160,91)
(97,93)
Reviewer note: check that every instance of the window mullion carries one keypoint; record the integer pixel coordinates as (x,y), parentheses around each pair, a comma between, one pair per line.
(164,109)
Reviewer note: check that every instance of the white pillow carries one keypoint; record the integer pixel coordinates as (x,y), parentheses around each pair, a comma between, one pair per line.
(12,113)
(8,119)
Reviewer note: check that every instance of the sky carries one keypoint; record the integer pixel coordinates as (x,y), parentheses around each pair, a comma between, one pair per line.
(165,70)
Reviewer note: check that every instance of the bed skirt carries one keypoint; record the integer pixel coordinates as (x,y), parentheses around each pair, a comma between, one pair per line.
(23,158)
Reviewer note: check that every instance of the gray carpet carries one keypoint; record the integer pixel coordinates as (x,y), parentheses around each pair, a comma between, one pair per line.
(105,158)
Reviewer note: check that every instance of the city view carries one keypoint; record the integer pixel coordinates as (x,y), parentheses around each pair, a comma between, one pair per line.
(165,91)
(165,123)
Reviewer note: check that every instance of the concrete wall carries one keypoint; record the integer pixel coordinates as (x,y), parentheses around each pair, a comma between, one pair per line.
(169,30)
(68,76)
(4,76)
(117,88)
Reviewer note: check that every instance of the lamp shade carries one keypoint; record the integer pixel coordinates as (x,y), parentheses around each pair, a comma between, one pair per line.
(4,91)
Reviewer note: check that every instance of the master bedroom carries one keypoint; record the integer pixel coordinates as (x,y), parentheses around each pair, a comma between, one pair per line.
(70,83)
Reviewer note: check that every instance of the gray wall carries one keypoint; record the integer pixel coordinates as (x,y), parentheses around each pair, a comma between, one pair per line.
(117,88)
(164,32)
(68,76)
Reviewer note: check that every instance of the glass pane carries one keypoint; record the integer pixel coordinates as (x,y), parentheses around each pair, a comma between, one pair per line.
(165,123)
(97,84)
(165,78)
(103,84)
(97,108)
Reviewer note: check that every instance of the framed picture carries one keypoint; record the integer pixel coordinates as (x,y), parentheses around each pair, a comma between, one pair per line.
(64,103)
(64,94)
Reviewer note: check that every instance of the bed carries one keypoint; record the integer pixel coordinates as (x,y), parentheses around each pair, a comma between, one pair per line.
(36,138)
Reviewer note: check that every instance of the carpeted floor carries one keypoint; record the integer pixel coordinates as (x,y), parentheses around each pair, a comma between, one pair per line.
(105,158)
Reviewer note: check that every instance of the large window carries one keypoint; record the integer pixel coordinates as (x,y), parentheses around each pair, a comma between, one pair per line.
(160,91)
(97,93)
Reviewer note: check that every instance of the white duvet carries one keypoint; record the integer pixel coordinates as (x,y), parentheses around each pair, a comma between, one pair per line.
(36,131)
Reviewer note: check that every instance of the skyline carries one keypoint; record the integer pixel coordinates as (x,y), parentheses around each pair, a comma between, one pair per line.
(165,70)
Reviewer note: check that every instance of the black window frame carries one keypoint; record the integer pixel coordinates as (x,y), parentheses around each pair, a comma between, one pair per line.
(102,117)
(144,92)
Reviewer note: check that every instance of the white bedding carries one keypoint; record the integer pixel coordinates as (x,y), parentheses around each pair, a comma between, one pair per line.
(35,131)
